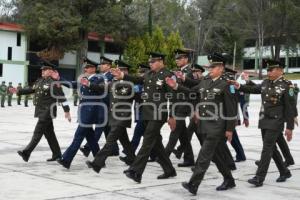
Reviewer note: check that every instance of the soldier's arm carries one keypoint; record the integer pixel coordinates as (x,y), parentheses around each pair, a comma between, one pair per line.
(230,109)
(134,79)
(60,96)
(189,82)
(288,107)
(25,91)
(250,88)
(100,88)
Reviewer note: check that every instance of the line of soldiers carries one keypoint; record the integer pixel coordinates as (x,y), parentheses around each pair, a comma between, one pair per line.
(161,96)
(5,91)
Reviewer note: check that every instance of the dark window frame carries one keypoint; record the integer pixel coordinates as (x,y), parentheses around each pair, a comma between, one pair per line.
(1,69)
(9,53)
(19,39)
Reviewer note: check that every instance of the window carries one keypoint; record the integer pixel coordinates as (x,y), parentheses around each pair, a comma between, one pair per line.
(249,64)
(9,53)
(18,39)
(1,69)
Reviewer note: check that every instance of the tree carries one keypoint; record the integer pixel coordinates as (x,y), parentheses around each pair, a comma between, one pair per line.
(137,48)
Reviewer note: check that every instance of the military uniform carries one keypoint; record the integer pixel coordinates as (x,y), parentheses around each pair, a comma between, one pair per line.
(9,94)
(91,111)
(3,92)
(121,96)
(215,102)
(19,96)
(26,86)
(75,97)
(154,115)
(45,111)
(275,111)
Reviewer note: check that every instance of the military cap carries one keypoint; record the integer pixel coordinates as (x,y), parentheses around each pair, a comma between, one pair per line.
(216,59)
(122,64)
(10,83)
(143,66)
(274,64)
(47,65)
(196,67)
(3,82)
(179,53)
(104,60)
(89,63)
(156,56)
(19,83)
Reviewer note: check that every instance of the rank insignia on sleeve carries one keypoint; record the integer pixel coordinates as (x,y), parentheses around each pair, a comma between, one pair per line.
(291,92)
(232,89)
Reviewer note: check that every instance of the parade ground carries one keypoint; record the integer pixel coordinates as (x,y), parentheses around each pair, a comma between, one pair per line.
(39,179)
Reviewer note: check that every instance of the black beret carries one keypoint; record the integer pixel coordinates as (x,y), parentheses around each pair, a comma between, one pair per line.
(104,60)
(274,63)
(196,67)
(47,65)
(216,58)
(157,55)
(89,63)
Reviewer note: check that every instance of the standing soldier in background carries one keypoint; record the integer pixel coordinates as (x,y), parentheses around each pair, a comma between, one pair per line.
(296,91)
(3,91)
(45,111)
(19,96)
(75,97)
(9,93)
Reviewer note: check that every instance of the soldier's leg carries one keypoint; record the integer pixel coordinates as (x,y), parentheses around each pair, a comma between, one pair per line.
(9,98)
(106,151)
(228,156)
(2,100)
(115,145)
(285,150)
(19,100)
(137,135)
(92,141)
(162,157)
(279,161)
(188,150)
(269,141)
(52,140)
(79,136)
(236,144)
(174,136)
(37,135)
(189,131)
(26,101)
(205,156)
(127,145)
(97,135)
(151,134)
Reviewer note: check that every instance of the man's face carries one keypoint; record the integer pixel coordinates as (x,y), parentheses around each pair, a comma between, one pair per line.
(46,73)
(105,67)
(274,73)
(156,64)
(181,61)
(216,71)
(90,70)
(124,70)
(197,74)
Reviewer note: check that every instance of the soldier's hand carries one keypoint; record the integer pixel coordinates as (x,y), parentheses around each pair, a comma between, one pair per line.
(55,75)
(245,76)
(172,123)
(180,75)
(289,134)
(84,81)
(68,116)
(234,83)
(171,83)
(117,73)
(228,135)
(246,122)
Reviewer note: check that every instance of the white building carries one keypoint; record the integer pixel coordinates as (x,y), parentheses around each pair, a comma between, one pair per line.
(13,64)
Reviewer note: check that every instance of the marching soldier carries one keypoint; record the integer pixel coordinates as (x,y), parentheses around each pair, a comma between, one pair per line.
(91,111)
(9,93)
(155,97)
(45,111)
(216,123)
(3,91)
(105,66)
(276,109)
(121,97)
(182,111)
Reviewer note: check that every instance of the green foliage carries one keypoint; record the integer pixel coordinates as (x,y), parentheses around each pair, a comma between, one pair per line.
(137,48)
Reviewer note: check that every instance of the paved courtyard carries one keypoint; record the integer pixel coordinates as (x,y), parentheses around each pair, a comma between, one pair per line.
(38,179)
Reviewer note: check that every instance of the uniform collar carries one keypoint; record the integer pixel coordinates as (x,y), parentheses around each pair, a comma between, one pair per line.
(214,79)
(91,76)
(277,79)
(184,67)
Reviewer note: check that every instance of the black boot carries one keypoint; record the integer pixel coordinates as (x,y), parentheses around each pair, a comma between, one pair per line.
(86,152)
(54,159)
(283,177)
(133,175)
(186,164)
(126,160)
(24,155)
(227,184)
(64,163)
(190,187)
(177,153)
(257,162)
(288,163)
(167,175)
(93,166)
(256,181)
